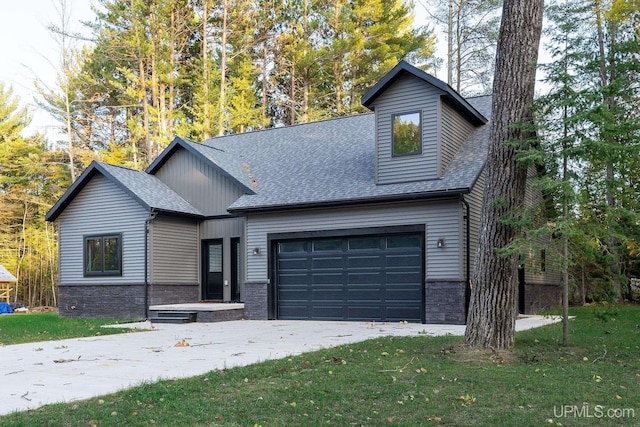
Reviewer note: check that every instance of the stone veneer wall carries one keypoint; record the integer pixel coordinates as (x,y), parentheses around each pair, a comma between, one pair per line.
(445,302)
(256,306)
(119,301)
(174,294)
(102,301)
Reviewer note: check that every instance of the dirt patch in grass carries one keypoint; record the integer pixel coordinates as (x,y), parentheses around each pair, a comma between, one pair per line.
(43,309)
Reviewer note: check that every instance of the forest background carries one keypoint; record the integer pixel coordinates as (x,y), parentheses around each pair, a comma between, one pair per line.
(143,71)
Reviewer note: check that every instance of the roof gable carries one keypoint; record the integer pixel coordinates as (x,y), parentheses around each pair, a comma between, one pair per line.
(403,67)
(5,276)
(145,189)
(226,163)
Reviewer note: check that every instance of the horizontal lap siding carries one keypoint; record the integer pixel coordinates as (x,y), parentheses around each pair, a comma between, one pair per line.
(442,220)
(406,95)
(175,250)
(200,184)
(475,206)
(455,131)
(101,208)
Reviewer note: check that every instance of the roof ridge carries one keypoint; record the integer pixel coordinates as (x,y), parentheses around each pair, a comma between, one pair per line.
(218,138)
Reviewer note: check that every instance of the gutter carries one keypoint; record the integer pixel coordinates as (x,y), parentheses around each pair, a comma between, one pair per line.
(147,222)
(351,202)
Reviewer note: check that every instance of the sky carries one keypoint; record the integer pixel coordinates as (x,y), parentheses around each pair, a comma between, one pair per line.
(29,52)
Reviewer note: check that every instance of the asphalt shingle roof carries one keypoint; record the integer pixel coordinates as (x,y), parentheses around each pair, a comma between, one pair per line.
(333,162)
(149,190)
(146,189)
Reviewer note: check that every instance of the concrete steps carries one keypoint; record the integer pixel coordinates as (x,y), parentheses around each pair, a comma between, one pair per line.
(174,317)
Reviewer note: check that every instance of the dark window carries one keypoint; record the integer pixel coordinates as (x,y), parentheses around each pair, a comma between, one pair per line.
(543,260)
(364,243)
(327,245)
(295,246)
(403,242)
(103,255)
(406,134)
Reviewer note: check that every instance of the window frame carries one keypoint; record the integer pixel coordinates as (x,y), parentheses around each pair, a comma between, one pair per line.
(101,238)
(393,139)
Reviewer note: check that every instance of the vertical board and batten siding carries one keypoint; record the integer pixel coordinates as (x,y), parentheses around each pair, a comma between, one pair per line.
(102,208)
(408,94)
(455,131)
(199,183)
(442,220)
(174,249)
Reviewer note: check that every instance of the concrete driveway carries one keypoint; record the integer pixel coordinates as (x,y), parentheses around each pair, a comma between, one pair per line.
(40,373)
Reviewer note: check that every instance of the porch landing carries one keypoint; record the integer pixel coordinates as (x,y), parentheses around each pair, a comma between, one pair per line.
(204,311)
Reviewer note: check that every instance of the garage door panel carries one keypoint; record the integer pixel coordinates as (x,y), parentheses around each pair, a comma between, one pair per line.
(396,314)
(320,295)
(364,261)
(399,294)
(365,278)
(405,260)
(327,312)
(293,279)
(365,312)
(375,278)
(292,311)
(293,264)
(335,262)
(403,277)
(365,295)
(326,278)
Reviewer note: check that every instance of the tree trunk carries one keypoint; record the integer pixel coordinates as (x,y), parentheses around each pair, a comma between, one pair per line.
(492,312)
(223,70)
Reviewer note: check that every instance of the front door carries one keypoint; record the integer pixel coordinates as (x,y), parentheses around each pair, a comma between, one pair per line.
(212,281)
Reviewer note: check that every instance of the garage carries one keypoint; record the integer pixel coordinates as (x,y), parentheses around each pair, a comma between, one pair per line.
(361,277)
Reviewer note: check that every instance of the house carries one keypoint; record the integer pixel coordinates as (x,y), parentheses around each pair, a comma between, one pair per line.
(367,217)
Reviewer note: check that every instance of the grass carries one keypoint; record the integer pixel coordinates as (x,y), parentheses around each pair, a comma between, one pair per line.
(400,381)
(32,327)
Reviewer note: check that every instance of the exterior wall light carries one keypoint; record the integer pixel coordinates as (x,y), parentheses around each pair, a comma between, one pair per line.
(442,243)
(256,251)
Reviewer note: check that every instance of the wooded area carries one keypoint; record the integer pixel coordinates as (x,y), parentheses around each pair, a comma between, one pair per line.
(200,68)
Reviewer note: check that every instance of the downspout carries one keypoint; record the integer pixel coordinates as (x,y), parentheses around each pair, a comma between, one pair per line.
(147,222)
(467,290)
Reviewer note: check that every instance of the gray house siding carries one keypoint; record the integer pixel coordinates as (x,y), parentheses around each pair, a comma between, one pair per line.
(455,131)
(408,94)
(198,183)
(444,273)
(475,207)
(542,274)
(174,254)
(102,208)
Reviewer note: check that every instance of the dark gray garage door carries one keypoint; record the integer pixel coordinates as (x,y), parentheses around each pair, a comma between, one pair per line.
(350,278)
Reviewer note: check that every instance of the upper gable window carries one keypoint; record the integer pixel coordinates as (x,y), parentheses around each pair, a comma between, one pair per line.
(406,134)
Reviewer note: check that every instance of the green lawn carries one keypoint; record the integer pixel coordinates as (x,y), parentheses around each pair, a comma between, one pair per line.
(400,381)
(21,328)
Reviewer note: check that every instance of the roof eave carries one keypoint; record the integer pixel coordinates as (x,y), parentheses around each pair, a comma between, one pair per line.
(351,202)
